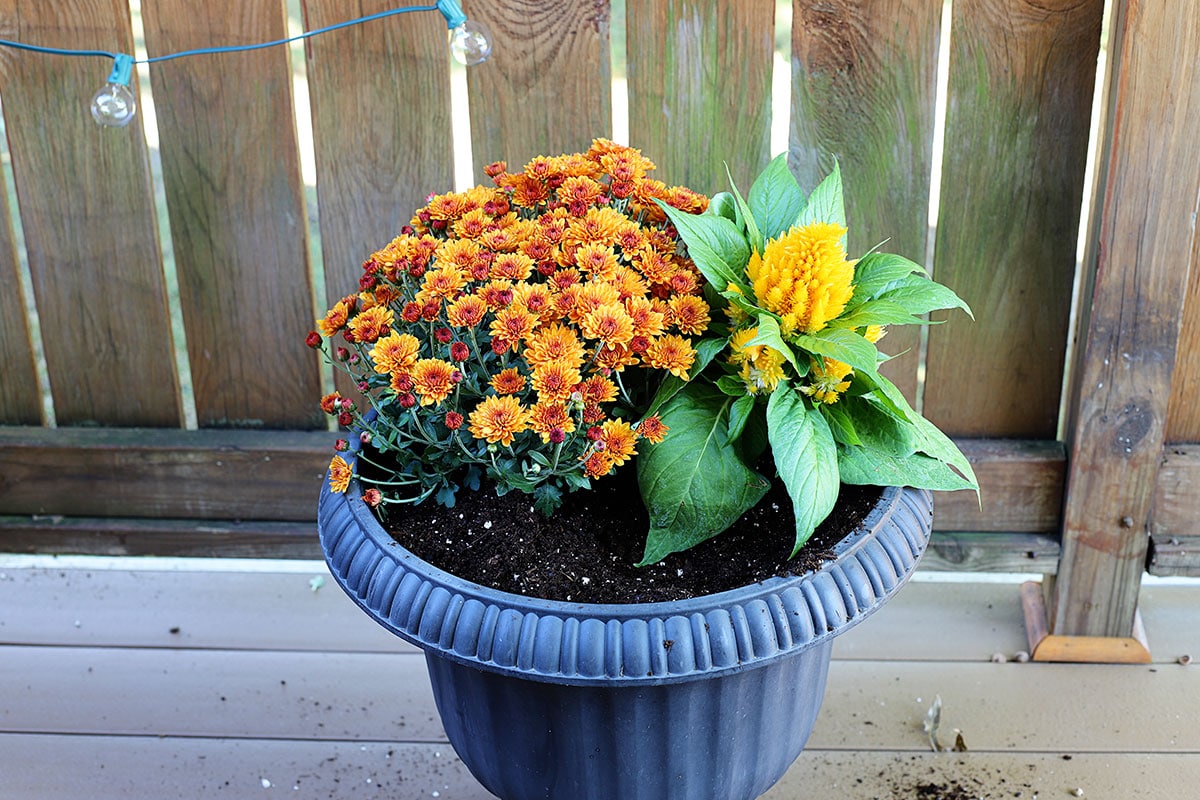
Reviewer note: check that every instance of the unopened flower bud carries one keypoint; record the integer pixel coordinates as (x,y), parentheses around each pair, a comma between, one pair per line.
(372,497)
(443,335)
(345,419)
(459,351)
(313,339)
(342,354)
(454,420)
(341,445)
(558,435)
(408,400)
(365,437)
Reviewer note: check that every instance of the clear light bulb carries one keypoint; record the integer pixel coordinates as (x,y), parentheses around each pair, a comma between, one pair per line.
(114,105)
(470,43)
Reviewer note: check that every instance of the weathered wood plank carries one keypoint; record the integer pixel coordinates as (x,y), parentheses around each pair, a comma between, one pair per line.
(993,552)
(162,473)
(231,169)
(1183,412)
(88,216)
(699,78)
(1021,84)
(196,769)
(20,403)
(1021,488)
(372,175)
(1175,514)
(547,87)
(1146,231)
(863,88)
(128,536)
(344,696)
(152,767)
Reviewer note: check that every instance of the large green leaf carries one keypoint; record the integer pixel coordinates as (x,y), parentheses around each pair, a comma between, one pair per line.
(775,199)
(770,336)
(865,465)
(877,312)
(920,296)
(841,345)
(825,204)
(693,483)
(876,271)
(715,244)
(745,216)
(805,457)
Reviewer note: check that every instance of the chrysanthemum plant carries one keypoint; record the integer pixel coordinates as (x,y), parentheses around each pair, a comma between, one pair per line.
(516,332)
(790,384)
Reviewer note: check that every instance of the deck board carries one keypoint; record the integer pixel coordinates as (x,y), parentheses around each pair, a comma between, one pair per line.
(267,679)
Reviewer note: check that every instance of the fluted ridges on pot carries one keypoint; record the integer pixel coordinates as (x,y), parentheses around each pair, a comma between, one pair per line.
(656,643)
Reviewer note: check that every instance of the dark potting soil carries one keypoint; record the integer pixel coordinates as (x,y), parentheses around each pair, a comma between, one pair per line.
(587,550)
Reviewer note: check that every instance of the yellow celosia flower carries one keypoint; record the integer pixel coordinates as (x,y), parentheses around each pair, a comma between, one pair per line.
(827,381)
(873,333)
(761,367)
(803,276)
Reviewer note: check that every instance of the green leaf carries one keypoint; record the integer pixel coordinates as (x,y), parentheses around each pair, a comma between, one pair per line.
(770,335)
(805,457)
(921,295)
(825,204)
(539,457)
(547,498)
(706,351)
(841,345)
(723,205)
(739,413)
(876,271)
(775,199)
(753,235)
(841,424)
(731,385)
(863,465)
(877,312)
(693,483)
(717,247)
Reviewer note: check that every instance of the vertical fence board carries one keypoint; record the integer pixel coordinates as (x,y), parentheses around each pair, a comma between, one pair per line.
(87,210)
(1148,193)
(699,78)
(547,87)
(1183,415)
(372,176)
(1021,81)
(231,168)
(864,81)
(20,403)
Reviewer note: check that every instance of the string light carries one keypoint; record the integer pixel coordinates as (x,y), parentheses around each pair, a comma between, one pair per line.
(114,105)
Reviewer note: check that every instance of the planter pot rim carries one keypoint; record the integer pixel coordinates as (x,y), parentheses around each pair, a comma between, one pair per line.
(636,643)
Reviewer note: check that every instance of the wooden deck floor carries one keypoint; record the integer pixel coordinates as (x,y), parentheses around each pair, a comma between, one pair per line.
(145,683)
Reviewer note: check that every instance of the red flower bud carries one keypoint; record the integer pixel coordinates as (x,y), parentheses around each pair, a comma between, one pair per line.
(411,312)
(459,351)
(367,282)
(557,435)
(365,437)
(443,335)
(499,346)
(363,386)
(639,344)
(430,310)
(416,270)
(342,354)
(408,400)
(341,445)
(345,419)
(372,497)
(454,420)
(313,340)
(595,433)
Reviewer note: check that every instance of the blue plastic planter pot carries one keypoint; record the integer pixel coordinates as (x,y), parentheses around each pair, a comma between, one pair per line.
(711,698)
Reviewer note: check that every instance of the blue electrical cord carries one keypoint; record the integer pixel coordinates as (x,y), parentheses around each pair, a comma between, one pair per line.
(450,9)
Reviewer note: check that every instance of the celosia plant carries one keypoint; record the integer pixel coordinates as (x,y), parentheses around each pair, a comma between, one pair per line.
(795,389)
(517,331)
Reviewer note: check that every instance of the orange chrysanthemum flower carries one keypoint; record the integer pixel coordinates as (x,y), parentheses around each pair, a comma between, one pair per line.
(652,429)
(580,190)
(672,353)
(508,381)
(647,320)
(334,319)
(502,240)
(340,474)
(446,206)
(467,311)
(591,296)
(497,294)
(513,325)
(498,419)
(368,325)
(433,380)
(554,380)
(473,224)
(619,439)
(511,267)
(597,260)
(461,254)
(550,415)
(615,357)
(597,226)
(596,390)
(536,299)
(689,314)
(610,324)
(556,342)
(803,276)
(396,352)
(443,283)
(597,464)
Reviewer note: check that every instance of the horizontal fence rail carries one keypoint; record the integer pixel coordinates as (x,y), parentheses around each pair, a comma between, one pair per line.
(1009,169)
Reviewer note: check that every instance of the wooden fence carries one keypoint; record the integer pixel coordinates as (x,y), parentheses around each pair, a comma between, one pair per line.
(119,474)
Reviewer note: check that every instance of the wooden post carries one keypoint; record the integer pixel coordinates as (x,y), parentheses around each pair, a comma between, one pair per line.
(1144,222)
